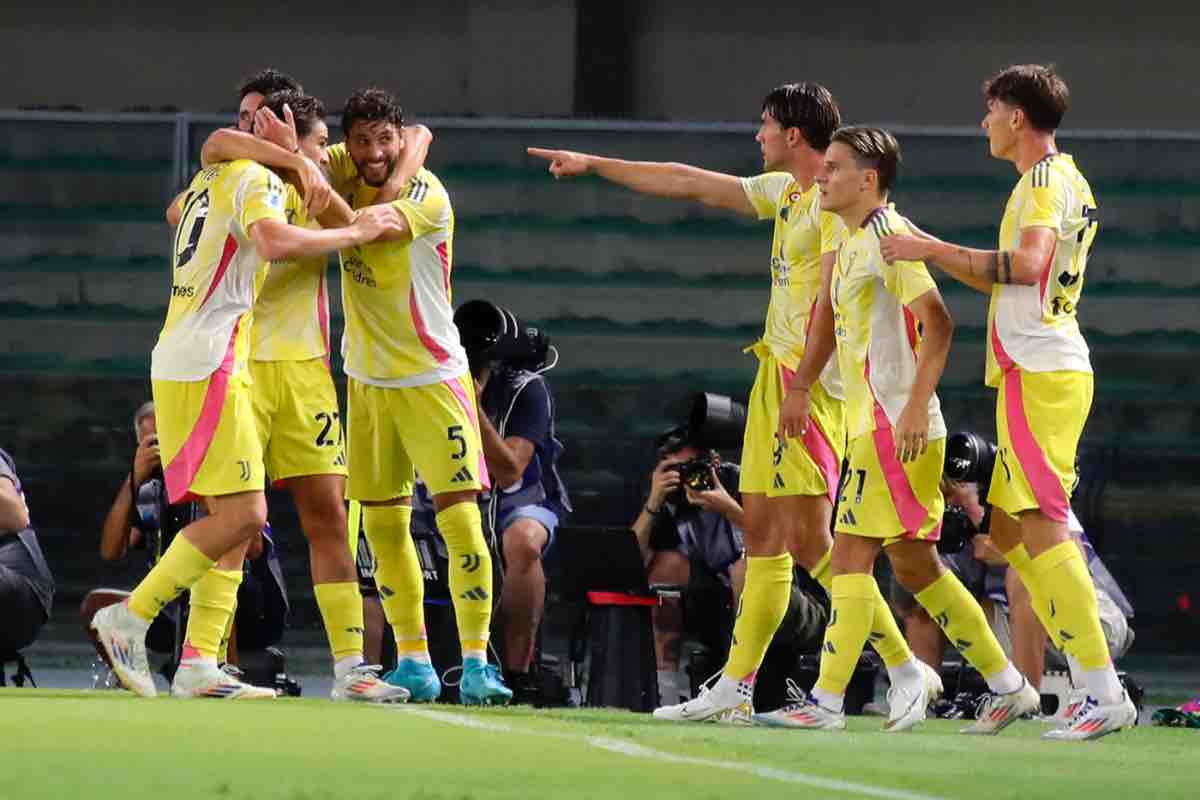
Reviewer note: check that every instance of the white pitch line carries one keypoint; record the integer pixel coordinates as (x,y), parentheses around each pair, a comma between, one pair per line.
(639,751)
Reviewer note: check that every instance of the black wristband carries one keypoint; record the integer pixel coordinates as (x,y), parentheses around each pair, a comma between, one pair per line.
(652,513)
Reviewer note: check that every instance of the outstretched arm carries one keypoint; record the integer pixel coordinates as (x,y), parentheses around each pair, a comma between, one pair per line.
(979,269)
(662,179)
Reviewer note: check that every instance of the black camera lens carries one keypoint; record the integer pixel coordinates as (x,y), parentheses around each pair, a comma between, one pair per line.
(969,458)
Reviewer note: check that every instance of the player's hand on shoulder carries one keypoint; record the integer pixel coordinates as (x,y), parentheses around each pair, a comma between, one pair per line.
(912,432)
(903,248)
(380,221)
(563,163)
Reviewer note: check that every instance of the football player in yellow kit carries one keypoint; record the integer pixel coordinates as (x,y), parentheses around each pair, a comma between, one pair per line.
(795,430)
(893,336)
(234,220)
(1039,363)
(412,405)
(295,402)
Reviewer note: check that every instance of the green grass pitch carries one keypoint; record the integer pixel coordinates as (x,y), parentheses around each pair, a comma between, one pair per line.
(92,745)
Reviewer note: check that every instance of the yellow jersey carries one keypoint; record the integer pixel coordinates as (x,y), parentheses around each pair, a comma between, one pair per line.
(1035,327)
(803,232)
(216,273)
(397,298)
(878,338)
(291,317)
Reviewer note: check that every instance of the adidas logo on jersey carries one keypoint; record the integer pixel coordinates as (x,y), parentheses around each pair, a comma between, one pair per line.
(340,461)
(848,518)
(462,476)
(778,484)
(474,594)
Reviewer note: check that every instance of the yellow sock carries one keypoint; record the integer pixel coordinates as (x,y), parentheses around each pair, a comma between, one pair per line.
(342,612)
(850,620)
(822,573)
(1070,595)
(397,574)
(885,636)
(470,574)
(958,614)
(180,567)
(1018,558)
(227,634)
(214,598)
(762,607)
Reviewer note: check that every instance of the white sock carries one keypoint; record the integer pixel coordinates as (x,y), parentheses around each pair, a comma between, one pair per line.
(198,661)
(1104,685)
(908,672)
(474,655)
(343,665)
(828,700)
(1006,681)
(420,658)
(1078,677)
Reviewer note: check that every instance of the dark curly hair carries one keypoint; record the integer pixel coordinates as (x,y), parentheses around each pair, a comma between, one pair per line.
(268,81)
(874,148)
(307,109)
(371,105)
(1035,89)
(807,106)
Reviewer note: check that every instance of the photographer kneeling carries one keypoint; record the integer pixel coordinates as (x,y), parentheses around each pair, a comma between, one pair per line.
(969,552)
(679,524)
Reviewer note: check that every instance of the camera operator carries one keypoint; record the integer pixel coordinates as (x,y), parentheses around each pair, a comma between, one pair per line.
(26,586)
(969,552)
(688,515)
(140,517)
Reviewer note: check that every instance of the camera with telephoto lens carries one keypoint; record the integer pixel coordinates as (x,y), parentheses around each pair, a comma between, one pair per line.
(969,459)
(491,334)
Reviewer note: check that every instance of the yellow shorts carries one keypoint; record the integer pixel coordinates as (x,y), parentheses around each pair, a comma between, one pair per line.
(296,413)
(882,498)
(1039,419)
(207,437)
(808,465)
(431,429)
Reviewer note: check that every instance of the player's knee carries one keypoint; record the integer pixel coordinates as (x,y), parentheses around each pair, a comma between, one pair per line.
(250,517)
(523,542)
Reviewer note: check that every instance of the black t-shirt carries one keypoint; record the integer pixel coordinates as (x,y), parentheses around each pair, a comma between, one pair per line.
(19,550)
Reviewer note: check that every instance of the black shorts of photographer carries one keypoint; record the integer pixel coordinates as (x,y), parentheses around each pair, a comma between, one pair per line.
(26,586)
(684,524)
